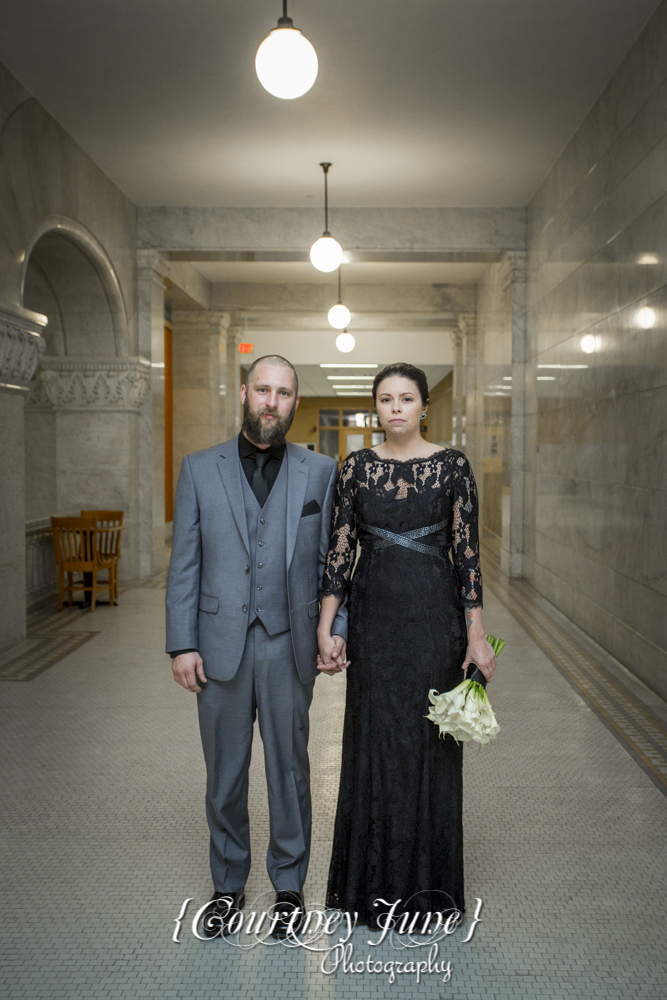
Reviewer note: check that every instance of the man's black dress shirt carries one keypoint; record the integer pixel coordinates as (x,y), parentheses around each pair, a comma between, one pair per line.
(247,452)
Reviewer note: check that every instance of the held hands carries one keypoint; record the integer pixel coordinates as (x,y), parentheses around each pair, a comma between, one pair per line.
(480,653)
(187,668)
(331,659)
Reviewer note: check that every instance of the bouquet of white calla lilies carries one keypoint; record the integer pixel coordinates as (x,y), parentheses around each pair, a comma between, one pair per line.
(466,711)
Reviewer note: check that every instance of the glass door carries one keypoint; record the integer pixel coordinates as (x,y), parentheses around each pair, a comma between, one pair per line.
(342,431)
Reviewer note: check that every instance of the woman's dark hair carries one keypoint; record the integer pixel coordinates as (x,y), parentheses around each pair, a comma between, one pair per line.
(403,370)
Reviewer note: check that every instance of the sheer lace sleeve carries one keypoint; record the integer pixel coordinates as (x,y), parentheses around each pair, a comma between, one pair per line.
(343,544)
(465,534)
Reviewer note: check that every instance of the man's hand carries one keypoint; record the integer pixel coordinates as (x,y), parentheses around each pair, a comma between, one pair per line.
(331,659)
(187,668)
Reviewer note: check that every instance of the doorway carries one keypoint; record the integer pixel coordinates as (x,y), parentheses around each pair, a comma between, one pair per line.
(342,431)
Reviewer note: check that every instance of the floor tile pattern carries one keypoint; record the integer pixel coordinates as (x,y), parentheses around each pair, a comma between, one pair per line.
(643,735)
(48,641)
(103,838)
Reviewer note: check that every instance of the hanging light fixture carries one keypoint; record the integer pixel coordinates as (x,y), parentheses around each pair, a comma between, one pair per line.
(646,318)
(339,315)
(345,342)
(326,253)
(286,62)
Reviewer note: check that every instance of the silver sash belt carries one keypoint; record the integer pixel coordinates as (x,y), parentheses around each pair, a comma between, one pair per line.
(407,538)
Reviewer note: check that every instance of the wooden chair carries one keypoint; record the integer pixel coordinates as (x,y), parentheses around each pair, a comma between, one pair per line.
(80,548)
(112,521)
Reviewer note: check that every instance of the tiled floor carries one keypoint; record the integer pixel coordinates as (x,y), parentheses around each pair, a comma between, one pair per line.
(104,836)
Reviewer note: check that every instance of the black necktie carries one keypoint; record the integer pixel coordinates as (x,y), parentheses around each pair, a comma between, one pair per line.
(259,485)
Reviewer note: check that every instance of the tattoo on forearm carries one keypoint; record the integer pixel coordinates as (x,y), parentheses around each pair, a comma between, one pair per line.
(468,617)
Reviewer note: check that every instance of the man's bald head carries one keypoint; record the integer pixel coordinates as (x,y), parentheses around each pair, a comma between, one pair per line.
(272,359)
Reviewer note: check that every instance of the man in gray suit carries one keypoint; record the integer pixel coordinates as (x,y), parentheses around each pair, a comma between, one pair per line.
(251,533)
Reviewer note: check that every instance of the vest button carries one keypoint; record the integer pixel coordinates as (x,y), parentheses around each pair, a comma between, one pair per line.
(247,569)
(258,608)
(260,565)
(262,521)
(244,608)
(260,544)
(260,587)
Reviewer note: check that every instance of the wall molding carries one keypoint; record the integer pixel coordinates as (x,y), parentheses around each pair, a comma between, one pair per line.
(114,385)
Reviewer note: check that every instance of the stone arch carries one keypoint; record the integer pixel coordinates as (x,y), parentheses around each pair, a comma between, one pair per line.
(68,277)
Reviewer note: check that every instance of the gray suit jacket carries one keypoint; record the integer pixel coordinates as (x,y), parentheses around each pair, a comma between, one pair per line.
(208,586)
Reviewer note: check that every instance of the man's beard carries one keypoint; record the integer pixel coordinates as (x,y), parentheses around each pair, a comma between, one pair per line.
(258,433)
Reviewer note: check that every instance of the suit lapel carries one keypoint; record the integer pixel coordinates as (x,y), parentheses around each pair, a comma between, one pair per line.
(229,467)
(297,481)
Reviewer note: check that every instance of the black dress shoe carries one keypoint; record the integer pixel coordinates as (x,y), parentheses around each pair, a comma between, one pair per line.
(219,914)
(290,908)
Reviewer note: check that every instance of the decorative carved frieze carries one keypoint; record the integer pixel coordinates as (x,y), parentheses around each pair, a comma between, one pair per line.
(38,399)
(20,348)
(115,385)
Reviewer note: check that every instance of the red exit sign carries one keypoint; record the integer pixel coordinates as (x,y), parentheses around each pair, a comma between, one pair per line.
(245,348)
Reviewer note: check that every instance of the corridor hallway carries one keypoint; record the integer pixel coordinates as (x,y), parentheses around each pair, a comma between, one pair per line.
(104,832)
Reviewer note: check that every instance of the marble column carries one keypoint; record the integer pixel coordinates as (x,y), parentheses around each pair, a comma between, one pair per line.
(152,269)
(21,345)
(200,380)
(513,276)
(233,380)
(474,401)
(457,335)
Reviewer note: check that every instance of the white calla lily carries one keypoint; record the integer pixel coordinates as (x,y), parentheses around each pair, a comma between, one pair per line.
(465,712)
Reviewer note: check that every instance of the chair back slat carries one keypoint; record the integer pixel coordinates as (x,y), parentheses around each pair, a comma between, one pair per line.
(108,541)
(74,543)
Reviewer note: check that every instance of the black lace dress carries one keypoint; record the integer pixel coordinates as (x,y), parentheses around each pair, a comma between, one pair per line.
(398,829)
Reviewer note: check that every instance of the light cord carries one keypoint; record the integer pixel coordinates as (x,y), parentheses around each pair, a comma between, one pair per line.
(325,168)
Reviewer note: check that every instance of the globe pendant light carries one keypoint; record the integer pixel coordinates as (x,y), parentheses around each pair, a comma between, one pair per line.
(345,342)
(326,253)
(286,62)
(339,315)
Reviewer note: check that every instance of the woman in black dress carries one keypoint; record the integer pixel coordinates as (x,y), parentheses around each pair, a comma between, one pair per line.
(415,623)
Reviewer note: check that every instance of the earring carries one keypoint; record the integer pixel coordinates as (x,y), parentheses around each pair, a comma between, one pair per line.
(423,416)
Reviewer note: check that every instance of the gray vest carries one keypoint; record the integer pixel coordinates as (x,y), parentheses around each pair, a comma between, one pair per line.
(268,565)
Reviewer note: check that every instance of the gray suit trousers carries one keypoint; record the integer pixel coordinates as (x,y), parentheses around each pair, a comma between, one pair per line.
(266,685)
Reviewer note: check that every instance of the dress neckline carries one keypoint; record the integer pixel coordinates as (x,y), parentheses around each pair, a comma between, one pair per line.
(405,461)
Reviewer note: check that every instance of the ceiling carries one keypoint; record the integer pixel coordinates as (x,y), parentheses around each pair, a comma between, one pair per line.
(426,103)
(297,272)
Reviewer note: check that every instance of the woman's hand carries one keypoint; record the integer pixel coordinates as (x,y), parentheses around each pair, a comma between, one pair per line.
(481,654)
(331,659)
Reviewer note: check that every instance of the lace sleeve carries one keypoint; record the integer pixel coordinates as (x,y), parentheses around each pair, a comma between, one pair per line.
(343,544)
(465,535)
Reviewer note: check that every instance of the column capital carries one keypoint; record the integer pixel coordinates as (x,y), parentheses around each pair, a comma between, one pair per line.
(151,265)
(114,385)
(466,324)
(21,345)
(211,322)
(513,268)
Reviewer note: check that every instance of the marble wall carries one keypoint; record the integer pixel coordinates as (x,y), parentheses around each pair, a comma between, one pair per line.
(68,254)
(47,181)
(596,375)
